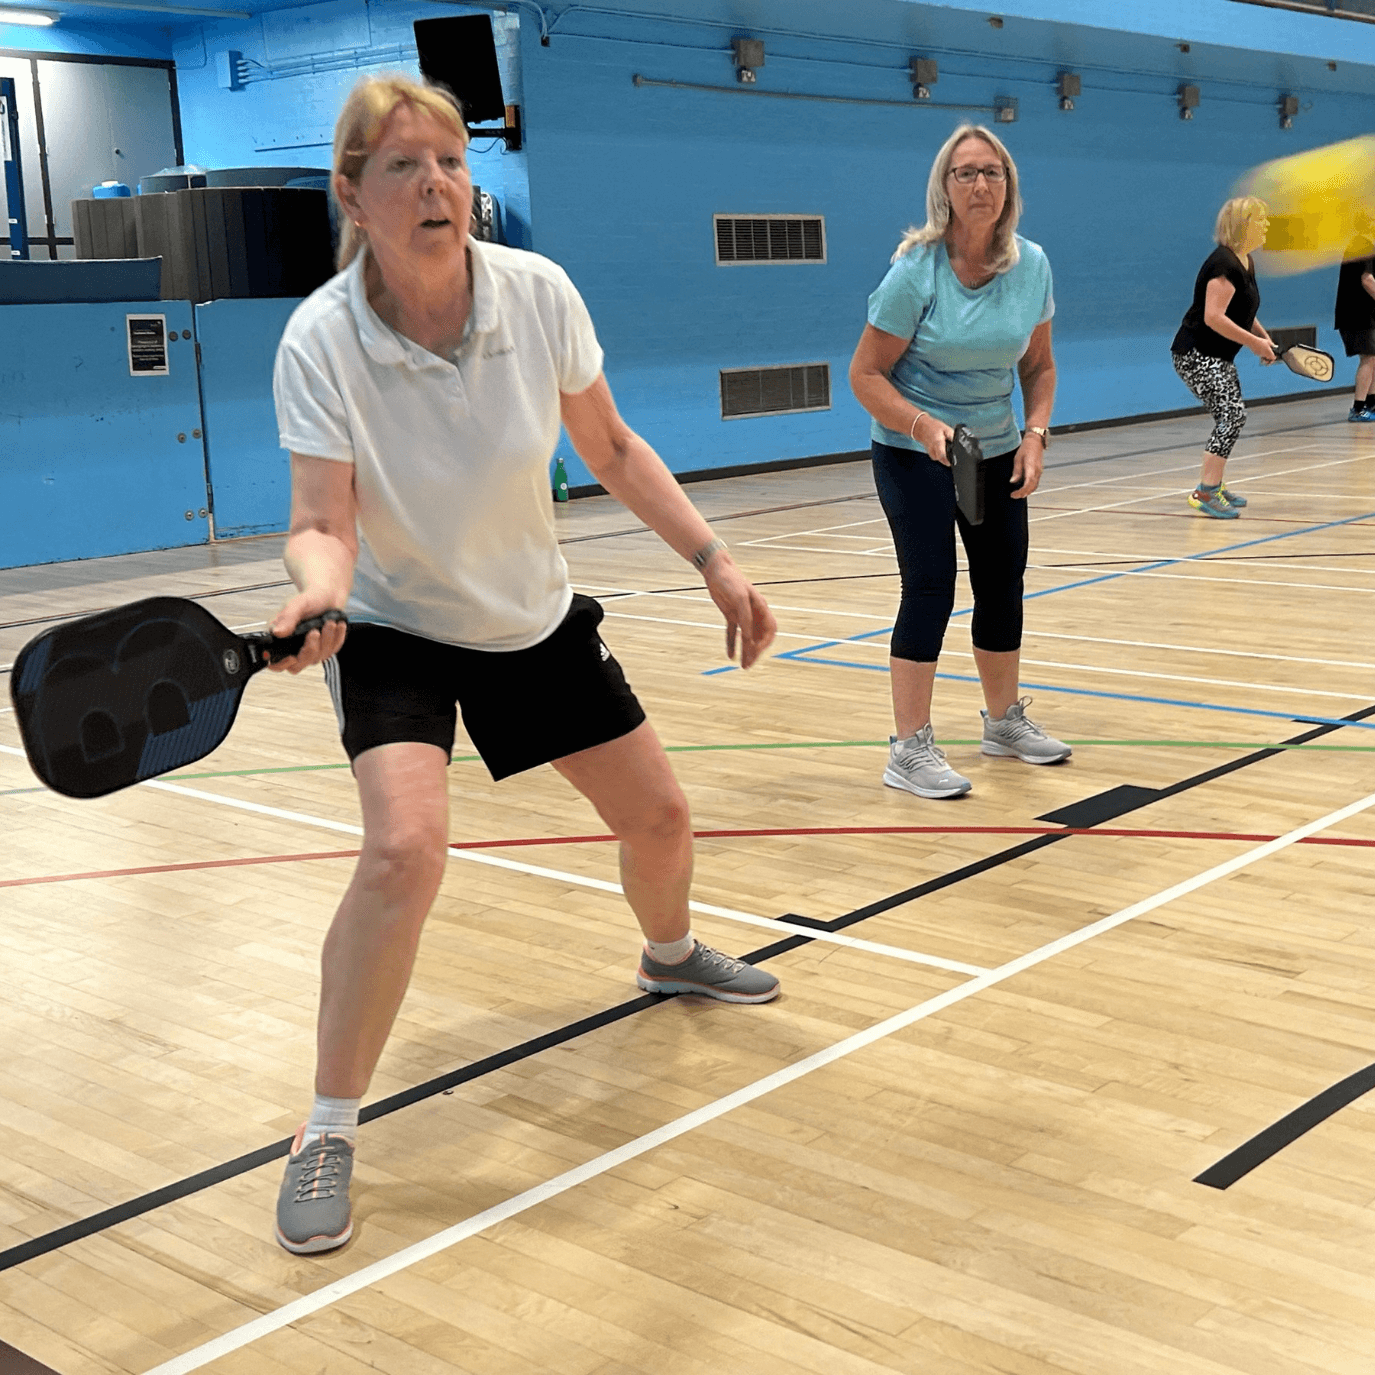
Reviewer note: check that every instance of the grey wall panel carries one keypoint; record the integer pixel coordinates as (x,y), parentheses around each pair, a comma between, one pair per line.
(104,122)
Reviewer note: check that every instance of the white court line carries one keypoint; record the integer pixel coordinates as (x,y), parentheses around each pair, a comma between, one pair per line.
(380,1270)
(1304,493)
(1245,582)
(1191,649)
(717,627)
(602,885)
(1181,468)
(1088,639)
(1283,563)
(882,647)
(1282,472)
(704,599)
(774,540)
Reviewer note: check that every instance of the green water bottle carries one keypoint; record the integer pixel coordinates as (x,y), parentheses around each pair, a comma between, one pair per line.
(560,479)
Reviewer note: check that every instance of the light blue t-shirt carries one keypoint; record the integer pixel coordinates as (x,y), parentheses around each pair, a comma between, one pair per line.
(965,342)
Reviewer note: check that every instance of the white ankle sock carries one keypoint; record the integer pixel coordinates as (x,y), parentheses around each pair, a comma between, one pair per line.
(333,1117)
(671,952)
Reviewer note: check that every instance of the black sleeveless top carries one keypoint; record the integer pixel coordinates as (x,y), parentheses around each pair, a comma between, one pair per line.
(1241,309)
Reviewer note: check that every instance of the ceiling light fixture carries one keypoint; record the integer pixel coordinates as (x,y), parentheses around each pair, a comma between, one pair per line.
(38,19)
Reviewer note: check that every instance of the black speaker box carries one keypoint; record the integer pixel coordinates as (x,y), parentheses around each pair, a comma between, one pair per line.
(461,54)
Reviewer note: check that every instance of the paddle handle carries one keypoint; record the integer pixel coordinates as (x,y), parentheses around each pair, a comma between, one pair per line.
(264,647)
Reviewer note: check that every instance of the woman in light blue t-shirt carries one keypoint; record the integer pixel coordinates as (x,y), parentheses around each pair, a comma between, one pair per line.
(965,303)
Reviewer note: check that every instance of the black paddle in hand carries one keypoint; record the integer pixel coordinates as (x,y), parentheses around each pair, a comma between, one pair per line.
(111,699)
(967,463)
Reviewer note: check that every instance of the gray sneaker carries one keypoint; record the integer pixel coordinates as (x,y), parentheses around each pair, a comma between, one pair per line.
(918,765)
(709,972)
(1018,736)
(313,1212)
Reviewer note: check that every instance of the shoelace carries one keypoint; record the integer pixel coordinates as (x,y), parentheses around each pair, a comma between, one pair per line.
(319,1180)
(715,957)
(926,753)
(1020,727)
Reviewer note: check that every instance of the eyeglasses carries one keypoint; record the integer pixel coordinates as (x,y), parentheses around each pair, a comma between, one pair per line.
(968,175)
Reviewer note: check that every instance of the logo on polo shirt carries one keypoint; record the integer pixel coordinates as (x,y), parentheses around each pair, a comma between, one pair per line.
(496,353)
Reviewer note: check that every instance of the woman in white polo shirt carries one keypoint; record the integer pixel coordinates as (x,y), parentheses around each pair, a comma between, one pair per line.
(420,392)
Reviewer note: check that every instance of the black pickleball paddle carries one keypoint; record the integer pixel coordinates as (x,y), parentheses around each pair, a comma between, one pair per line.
(111,699)
(967,463)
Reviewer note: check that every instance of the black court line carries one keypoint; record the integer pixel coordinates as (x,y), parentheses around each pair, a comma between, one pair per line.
(1287,1130)
(14,1362)
(1109,805)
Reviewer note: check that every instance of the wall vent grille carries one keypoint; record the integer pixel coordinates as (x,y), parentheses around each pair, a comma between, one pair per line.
(770,239)
(775,391)
(1294,334)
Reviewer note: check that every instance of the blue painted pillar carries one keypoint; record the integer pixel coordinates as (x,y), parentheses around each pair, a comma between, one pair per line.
(14,181)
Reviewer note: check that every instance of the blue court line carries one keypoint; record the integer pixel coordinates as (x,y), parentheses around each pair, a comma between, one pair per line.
(801,655)
(1303,717)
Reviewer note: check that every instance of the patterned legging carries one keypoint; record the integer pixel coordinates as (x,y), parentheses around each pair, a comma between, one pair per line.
(1215,382)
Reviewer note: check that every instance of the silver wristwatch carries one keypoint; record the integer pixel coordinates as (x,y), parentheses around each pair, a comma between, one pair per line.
(703,556)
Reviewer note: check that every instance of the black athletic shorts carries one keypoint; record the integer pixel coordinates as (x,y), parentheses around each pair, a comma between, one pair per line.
(1358,342)
(521,707)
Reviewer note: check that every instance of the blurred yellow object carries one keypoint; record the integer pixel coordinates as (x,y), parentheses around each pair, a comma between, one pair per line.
(1320,202)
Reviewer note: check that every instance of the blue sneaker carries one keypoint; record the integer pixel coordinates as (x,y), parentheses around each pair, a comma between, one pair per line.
(1230,497)
(1360,415)
(1213,504)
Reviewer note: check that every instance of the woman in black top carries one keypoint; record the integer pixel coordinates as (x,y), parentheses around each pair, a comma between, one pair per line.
(1220,321)
(1355,319)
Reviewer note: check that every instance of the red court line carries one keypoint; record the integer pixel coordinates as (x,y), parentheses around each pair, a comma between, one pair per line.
(175,868)
(1129,833)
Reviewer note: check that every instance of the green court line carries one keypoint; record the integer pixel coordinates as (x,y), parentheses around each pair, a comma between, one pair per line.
(806,745)
(845,745)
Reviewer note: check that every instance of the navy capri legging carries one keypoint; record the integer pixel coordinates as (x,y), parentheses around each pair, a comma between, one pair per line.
(918,497)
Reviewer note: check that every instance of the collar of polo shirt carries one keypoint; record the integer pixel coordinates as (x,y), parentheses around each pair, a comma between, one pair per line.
(384,345)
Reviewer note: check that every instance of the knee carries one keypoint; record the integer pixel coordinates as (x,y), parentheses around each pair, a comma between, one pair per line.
(665,821)
(404,863)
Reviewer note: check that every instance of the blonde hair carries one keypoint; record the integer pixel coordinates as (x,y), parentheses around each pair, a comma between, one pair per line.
(370,104)
(1233,218)
(937,224)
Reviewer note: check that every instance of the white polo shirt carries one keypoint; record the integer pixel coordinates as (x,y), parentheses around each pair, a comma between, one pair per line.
(456,538)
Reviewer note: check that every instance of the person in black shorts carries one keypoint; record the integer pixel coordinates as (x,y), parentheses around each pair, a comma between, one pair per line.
(421,392)
(1355,319)
(1218,324)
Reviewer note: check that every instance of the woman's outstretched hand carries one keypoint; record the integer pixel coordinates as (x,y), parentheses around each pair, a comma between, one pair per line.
(747,613)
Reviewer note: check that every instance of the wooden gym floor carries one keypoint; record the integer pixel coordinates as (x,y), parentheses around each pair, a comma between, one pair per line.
(1014,1030)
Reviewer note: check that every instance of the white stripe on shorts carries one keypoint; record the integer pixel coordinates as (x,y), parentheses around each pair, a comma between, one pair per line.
(336,689)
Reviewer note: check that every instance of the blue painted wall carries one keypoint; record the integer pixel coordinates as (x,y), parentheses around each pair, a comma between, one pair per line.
(1121,192)
(619,183)
(98,37)
(300,64)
